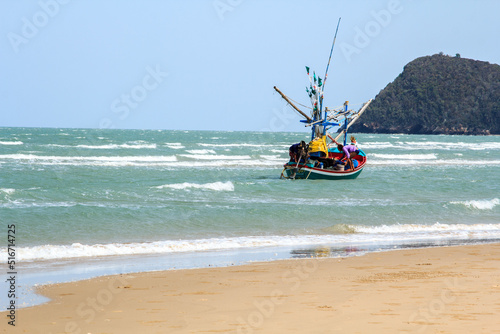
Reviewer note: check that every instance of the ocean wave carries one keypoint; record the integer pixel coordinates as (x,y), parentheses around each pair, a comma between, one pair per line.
(248,163)
(77,250)
(272,157)
(343,236)
(175,146)
(479,204)
(107,146)
(43,159)
(431,145)
(49,252)
(215,160)
(217,186)
(201,151)
(20,204)
(115,146)
(427,162)
(242,145)
(11,143)
(148,161)
(8,191)
(434,228)
(430,156)
(215,157)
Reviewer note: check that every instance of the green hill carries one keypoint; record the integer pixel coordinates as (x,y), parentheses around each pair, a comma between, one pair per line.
(438,94)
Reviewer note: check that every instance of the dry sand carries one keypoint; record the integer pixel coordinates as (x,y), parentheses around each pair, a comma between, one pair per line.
(433,290)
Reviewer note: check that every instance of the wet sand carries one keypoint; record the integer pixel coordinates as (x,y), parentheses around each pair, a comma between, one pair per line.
(431,290)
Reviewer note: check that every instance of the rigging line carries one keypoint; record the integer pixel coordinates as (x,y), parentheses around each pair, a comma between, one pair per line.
(300,104)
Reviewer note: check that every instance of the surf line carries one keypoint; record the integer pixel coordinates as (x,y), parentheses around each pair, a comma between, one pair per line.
(11,273)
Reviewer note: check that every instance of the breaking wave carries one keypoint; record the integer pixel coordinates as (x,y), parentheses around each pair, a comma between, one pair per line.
(82,160)
(346,234)
(217,186)
(8,191)
(107,146)
(175,146)
(431,145)
(480,204)
(430,156)
(215,157)
(201,151)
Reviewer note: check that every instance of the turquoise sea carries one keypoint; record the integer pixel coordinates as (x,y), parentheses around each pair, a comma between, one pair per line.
(93,202)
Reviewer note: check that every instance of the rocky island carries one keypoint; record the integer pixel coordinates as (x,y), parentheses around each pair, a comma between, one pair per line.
(438,94)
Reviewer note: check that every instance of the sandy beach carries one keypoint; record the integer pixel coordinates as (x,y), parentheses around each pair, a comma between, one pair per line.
(432,290)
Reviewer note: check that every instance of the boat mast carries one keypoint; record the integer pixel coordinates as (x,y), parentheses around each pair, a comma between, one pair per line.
(331,51)
(346,105)
(326,75)
(354,119)
(318,121)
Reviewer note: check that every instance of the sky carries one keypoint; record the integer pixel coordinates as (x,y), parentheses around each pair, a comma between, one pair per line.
(212,65)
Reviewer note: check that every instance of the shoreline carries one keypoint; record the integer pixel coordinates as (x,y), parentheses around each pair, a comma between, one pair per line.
(454,289)
(35,274)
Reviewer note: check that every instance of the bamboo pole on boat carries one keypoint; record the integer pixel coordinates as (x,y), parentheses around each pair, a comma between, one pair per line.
(293,105)
(361,111)
(282,173)
(309,173)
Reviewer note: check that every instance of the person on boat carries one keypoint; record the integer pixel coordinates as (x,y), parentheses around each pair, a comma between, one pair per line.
(348,166)
(349,152)
(318,148)
(298,151)
(353,141)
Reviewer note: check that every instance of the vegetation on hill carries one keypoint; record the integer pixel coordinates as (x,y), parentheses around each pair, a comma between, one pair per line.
(438,94)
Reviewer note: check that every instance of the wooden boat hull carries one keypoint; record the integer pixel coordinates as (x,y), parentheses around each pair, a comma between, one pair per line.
(321,174)
(314,173)
(292,170)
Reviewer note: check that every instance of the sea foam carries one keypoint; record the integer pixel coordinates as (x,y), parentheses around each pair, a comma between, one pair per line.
(408,161)
(430,145)
(356,235)
(436,227)
(430,156)
(217,186)
(175,146)
(215,157)
(118,146)
(480,204)
(8,191)
(83,160)
(106,146)
(201,151)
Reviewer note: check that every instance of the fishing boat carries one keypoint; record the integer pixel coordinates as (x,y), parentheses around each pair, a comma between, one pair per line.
(329,166)
(318,160)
